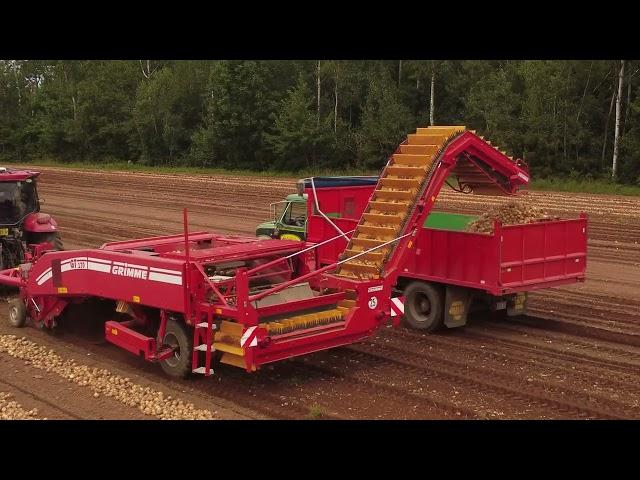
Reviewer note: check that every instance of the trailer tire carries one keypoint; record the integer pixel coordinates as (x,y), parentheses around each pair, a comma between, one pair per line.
(423,306)
(17,313)
(177,335)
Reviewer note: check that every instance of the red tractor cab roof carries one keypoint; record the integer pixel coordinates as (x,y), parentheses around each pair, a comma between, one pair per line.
(11,175)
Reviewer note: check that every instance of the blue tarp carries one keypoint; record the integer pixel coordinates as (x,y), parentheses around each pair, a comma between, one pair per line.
(326,182)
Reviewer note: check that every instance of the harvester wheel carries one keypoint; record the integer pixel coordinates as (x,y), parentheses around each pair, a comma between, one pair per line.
(423,306)
(17,313)
(178,337)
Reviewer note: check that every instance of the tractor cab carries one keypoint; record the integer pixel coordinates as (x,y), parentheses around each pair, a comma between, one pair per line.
(343,199)
(288,219)
(21,223)
(18,198)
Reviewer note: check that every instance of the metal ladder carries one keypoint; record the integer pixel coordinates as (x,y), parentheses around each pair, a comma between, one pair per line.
(203,336)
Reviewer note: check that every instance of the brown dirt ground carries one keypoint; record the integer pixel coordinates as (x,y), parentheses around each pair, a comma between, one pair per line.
(576,355)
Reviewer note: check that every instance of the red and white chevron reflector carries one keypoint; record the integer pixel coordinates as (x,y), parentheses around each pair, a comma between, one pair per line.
(249,337)
(397,306)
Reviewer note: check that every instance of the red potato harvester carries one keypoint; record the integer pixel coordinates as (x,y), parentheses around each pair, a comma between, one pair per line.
(190,301)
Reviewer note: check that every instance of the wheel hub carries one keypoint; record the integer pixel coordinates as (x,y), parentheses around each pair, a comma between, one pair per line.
(424,305)
(172,342)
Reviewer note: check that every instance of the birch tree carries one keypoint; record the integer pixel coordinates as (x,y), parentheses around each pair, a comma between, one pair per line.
(318,86)
(616,138)
(432,97)
(606,126)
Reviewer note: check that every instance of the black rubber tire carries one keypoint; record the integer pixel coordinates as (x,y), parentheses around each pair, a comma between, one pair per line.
(178,365)
(53,238)
(17,315)
(418,297)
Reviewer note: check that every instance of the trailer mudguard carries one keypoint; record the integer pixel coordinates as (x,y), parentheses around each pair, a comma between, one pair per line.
(456,307)
(517,304)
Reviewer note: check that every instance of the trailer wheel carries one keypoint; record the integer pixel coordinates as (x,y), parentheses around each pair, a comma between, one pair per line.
(17,313)
(178,337)
(423,306)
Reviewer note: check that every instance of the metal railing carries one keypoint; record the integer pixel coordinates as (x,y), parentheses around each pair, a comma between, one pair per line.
(284,285)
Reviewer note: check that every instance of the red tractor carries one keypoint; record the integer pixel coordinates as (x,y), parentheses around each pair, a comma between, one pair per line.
(21,222)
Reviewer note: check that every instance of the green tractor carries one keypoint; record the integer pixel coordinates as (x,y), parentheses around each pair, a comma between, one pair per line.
(289,219)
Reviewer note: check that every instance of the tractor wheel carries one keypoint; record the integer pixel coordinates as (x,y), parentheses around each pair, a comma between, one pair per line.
(52,238)
(423,306)
(177,336)
(17,313)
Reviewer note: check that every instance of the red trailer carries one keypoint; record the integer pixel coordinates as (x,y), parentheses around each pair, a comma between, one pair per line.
(449,265)
(189,301)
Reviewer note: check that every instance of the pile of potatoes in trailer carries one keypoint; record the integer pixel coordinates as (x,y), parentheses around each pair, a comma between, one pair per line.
(511,213)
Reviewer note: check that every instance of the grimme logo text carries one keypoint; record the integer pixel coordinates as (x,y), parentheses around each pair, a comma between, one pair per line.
(129,272)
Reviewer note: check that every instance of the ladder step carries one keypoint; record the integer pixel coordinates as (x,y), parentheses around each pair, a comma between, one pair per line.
(408,159)
(406,171)
(381,219)
(427,150)
(404,183)
(375,255)
(415,139)
(206,325)
(386,233)
(202,370)
(366,242)
(437,137)
(444,130)
(383,194)
(203,348)
(361,267)
(389,206)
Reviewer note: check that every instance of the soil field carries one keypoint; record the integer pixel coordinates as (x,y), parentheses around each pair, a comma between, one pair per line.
(576,355)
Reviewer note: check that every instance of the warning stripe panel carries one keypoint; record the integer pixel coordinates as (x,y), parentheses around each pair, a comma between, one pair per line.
(397,306)
(249,335)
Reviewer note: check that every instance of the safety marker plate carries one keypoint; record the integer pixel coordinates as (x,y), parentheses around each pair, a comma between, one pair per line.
(249,336)
(397,306)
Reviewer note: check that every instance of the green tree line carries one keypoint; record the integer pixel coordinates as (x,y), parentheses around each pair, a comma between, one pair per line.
(561,116)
